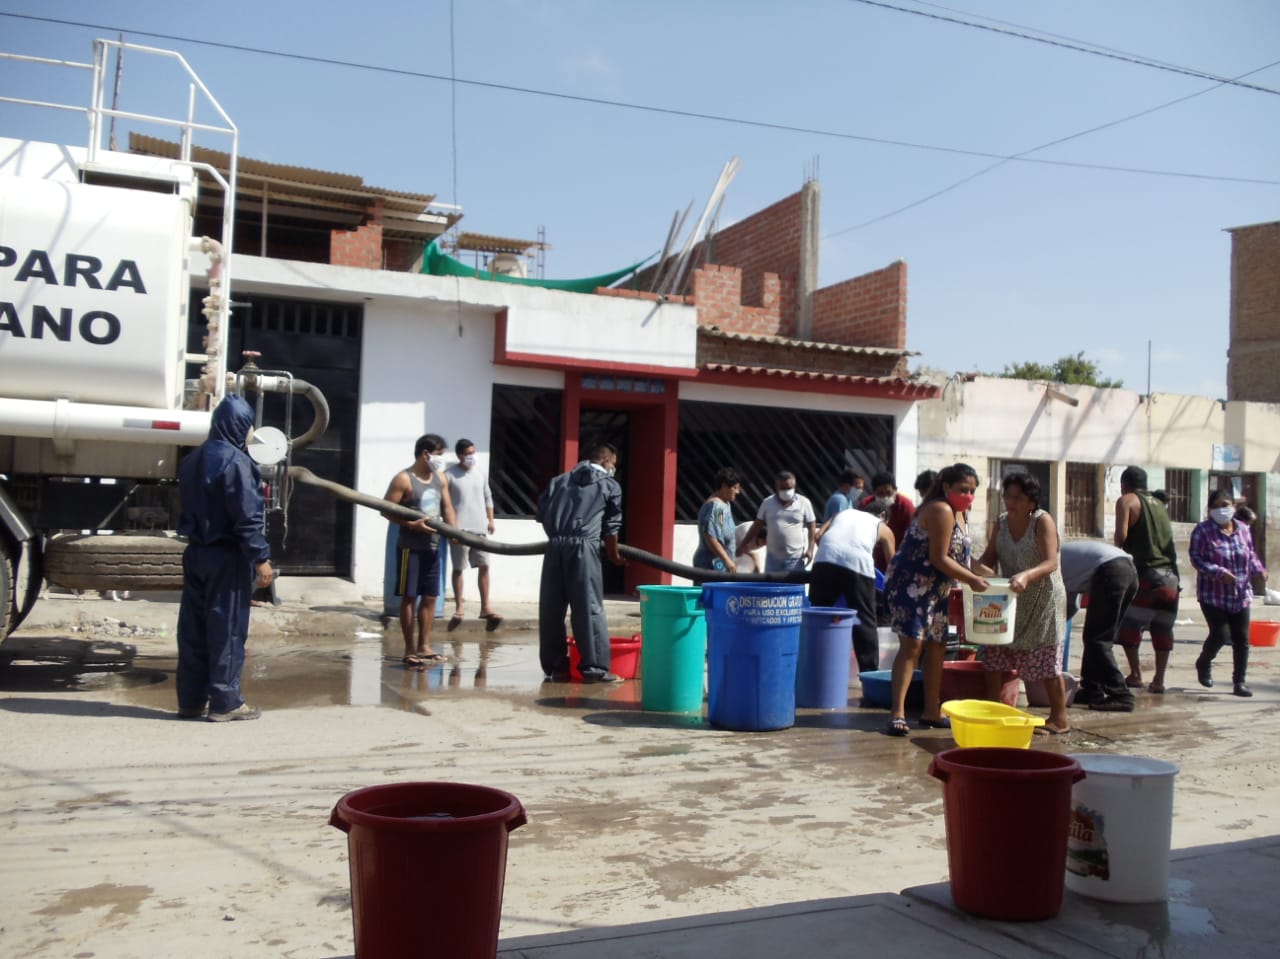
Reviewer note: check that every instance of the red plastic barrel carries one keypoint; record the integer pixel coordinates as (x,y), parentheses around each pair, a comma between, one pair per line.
(419,847)
(1007,814)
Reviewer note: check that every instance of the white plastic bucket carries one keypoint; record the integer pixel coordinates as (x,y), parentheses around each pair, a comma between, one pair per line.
(988,616)
(888,642)
(1121,826)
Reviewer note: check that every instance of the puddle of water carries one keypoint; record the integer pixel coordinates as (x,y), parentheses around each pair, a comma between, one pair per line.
(1161,929)
(363,670)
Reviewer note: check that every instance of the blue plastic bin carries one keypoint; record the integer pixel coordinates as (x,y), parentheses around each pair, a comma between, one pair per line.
(822,671)
(877,689)
(753,641)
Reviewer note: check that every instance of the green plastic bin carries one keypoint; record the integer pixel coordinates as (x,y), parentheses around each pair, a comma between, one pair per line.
(673,649)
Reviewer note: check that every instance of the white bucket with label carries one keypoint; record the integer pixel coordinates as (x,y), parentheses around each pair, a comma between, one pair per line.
(988,616)
(1121,827)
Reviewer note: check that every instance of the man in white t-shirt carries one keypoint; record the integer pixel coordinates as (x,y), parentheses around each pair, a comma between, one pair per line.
(791,526)
(844,568)
(473,504)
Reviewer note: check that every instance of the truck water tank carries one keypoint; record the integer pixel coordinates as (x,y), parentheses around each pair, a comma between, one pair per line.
(93,293)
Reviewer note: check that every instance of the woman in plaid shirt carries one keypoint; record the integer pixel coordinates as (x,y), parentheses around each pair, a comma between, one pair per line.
(1222,553)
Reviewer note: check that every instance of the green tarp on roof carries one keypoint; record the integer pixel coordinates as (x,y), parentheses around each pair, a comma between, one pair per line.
(436,262)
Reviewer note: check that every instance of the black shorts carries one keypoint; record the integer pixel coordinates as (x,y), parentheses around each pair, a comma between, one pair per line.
(418,573)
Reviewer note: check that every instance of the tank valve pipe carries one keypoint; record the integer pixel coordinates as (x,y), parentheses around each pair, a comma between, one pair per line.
(268,383)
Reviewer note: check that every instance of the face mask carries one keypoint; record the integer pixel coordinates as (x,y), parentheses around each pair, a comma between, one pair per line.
(436,463)
(885,501)
(960,502)
(786,495)
(469,461)
(1222,515)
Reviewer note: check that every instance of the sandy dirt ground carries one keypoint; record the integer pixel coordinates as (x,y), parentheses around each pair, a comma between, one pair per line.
(128,833)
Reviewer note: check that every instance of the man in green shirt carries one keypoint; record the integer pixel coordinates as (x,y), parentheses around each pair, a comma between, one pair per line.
(1145,532)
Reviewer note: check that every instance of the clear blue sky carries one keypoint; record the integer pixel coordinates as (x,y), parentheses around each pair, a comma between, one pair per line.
(1026,262)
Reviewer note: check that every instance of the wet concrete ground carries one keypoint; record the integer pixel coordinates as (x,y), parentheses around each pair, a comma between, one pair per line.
(130,828)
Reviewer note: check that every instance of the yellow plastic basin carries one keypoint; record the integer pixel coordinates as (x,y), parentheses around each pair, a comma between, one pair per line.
(980,722)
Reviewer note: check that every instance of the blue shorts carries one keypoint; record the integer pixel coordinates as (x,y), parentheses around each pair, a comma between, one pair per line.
(418,573)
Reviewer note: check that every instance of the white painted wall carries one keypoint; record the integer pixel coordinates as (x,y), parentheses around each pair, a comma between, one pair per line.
(427,367)
(987,418)
(656,335)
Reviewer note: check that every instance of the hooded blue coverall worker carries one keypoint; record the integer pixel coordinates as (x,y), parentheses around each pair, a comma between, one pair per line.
(578,510)
(226,556)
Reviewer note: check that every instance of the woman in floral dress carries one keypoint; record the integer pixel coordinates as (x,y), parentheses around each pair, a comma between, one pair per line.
(1024,542)
(933,554)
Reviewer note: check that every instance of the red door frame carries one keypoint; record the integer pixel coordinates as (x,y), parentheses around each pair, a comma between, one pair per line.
(650,474)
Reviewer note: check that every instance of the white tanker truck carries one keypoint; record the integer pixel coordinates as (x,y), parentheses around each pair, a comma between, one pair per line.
(98,388)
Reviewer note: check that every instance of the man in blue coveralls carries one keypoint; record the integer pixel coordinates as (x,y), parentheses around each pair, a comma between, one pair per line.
(226,558)
(578,510)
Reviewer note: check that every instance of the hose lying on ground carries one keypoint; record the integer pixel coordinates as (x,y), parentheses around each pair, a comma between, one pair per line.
(303,475)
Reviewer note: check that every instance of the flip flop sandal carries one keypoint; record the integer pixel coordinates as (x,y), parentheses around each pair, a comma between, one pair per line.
(412,663)
(431,658)
(943,723)
(898,726)
(1153,688)
(454,622)
(491,622)
(1133,683)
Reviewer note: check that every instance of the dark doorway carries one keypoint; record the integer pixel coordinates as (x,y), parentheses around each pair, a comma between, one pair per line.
(597,426)
(318,342)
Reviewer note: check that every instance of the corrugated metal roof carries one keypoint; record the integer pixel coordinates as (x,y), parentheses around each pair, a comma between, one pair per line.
(792,343)
(895,385)
(487,243)
(405,214)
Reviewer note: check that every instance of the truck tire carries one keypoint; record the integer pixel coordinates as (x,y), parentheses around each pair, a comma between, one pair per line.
(7,590)
(134,561)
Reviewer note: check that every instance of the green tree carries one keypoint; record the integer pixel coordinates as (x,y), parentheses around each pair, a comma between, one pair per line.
(1066,369)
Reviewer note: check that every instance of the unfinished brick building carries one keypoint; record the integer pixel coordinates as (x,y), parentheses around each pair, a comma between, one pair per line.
(1254,351)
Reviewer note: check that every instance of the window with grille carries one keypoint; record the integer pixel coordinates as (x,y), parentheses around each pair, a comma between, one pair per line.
(1177,483)
(758,441)
(1081,519)
(524,447)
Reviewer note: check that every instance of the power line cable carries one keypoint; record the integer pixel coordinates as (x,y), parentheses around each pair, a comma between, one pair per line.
(1043,146)
(1048,39)
(641,107)
(1152,61)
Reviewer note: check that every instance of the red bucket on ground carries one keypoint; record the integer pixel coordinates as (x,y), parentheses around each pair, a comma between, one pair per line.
(966,679)
(624,657)
(1263,633)
(1007,814)
(421,845)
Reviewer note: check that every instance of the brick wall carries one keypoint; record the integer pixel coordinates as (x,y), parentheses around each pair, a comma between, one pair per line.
(402,256)
(765,242)
(868,310)
(624,293)
(717,291)
(362,246)
(1254,353)
(359,247)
